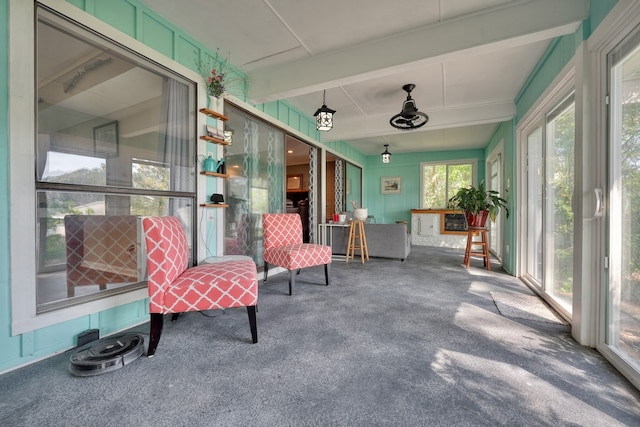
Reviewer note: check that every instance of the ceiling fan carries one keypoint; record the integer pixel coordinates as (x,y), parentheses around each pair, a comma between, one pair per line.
(409,118)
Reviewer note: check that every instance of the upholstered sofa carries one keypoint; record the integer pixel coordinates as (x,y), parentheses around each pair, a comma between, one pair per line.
(383,240)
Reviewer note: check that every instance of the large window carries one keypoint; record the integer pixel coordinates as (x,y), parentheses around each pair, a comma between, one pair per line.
(440,181)
(115,141)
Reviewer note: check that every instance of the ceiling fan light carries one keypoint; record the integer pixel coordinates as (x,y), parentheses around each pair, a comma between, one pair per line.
(409,108)
(409,118)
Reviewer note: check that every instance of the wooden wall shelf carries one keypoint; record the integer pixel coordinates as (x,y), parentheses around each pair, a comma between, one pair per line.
(219,175)
(214,140)
(214,205)
(213,114)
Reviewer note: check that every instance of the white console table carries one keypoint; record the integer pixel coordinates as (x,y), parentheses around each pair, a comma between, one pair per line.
(326,235)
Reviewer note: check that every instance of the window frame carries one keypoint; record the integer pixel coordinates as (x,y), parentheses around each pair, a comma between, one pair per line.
(474,176)
(23,127)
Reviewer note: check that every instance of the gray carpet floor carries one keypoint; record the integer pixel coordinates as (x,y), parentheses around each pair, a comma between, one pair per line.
(389,343)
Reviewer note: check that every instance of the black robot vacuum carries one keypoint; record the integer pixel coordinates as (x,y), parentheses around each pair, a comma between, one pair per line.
(106,354)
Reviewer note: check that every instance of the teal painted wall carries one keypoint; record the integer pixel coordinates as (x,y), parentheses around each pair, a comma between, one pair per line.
(388,208)
(555,58)
(289,115)
(598,9)
(347,151)
(558,55)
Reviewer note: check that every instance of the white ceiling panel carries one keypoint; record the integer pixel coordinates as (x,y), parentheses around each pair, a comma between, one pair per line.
(466,78)
(248,32)
(322,26)
(453,8)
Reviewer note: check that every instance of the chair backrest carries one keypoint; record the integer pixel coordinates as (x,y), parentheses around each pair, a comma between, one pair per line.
(167,255)
(281,229)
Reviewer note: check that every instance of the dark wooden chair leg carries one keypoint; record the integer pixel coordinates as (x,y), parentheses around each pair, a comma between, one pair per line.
(292,281)
(251,311)
(155,331)
(175,316)
(266,269)
(327,270)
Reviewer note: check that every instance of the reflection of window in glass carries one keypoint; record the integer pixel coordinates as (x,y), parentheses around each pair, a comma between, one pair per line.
(440,181)
(116,140)
(69,168)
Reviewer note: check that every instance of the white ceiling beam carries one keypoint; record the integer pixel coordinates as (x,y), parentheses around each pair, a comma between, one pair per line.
(379,126)
(509,25)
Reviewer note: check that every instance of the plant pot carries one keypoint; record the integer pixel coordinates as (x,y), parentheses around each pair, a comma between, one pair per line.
(476,220)
(360,213)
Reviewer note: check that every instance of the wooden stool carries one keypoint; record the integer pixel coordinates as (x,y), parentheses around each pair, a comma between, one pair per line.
(483,243)
(356,231)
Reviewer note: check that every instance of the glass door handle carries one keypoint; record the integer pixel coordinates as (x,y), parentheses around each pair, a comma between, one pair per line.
(599,195)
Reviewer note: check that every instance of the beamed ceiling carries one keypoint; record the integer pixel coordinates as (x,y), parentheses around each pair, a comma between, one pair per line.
(468,59)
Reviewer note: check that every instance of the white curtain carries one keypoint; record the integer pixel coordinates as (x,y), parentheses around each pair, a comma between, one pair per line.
(176,148)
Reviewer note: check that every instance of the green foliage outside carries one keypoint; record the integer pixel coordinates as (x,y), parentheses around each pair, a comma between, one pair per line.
(436,191)
(560,189)
(630,186)
(154,178)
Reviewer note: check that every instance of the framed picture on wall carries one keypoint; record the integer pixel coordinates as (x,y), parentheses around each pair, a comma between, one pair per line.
(294,182)
(105,140)
(391,185)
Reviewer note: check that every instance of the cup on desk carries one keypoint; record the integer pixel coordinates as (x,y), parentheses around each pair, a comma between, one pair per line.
(342,218)
(336,217)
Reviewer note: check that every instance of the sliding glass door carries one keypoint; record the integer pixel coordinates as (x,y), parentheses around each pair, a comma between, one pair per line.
(255,165)
(549,145)
(623,302)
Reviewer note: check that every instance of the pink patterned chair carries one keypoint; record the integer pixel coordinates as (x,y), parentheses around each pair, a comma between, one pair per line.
(175,288)
(283,247)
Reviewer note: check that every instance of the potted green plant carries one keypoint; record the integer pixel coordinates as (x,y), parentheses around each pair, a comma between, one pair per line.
(477,203)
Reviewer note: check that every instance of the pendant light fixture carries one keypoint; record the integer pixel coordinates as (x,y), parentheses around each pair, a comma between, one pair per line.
(386,156)
(324,115)
(409,118)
